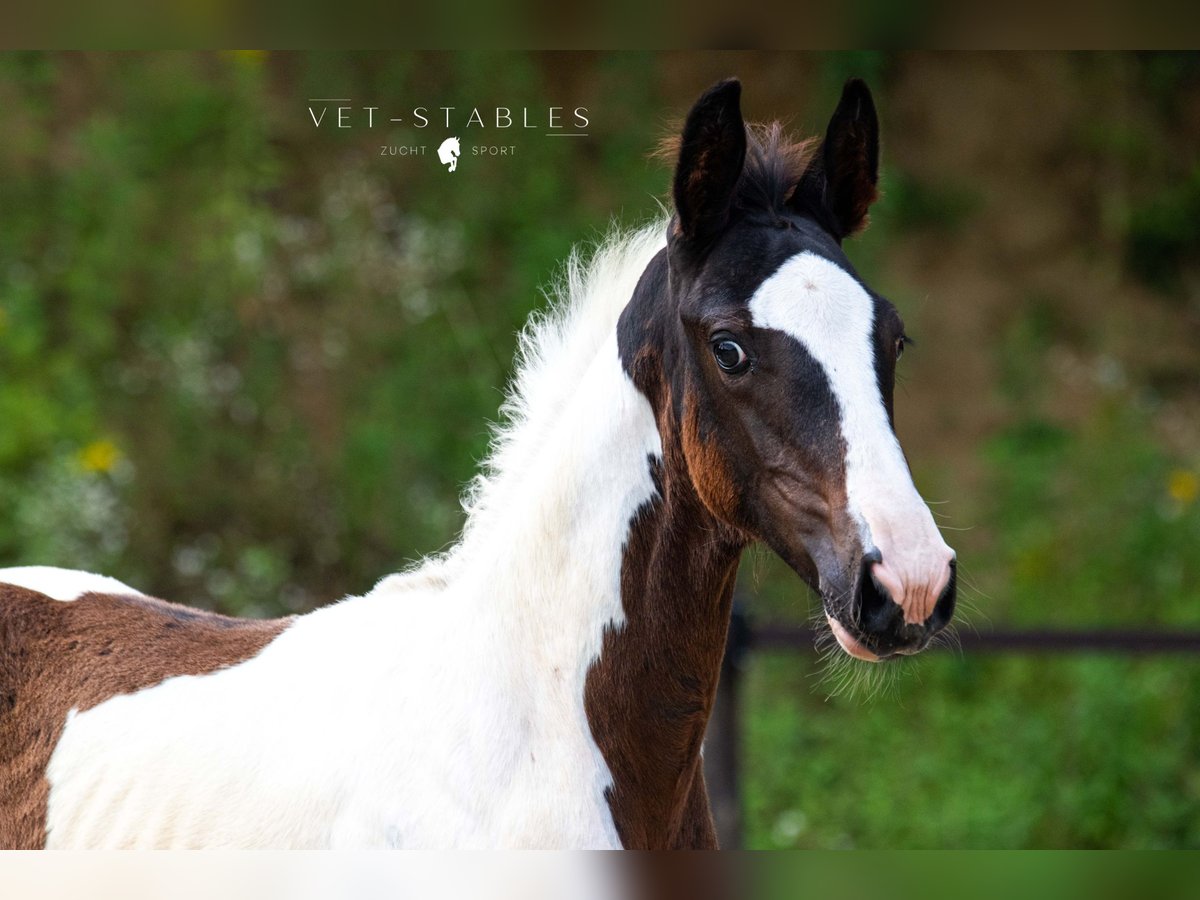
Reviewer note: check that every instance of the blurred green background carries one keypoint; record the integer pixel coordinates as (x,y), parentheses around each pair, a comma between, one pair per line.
(248,364)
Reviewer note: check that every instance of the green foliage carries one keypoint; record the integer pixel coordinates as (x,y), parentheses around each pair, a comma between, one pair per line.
(1164,234)
(986,753)
(292,345)
(248,364)
(914,203)
(1108,542)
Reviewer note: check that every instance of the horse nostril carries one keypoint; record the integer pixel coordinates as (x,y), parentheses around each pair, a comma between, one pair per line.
(943,610)
(877,611)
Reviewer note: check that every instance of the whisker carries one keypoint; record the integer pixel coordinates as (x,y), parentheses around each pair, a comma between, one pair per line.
(948,639)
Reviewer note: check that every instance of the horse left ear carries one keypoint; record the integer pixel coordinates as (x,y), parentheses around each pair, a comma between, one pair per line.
(839,184)
(712,151)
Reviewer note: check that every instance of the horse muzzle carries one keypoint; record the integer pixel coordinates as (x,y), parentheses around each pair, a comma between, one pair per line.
(892,613)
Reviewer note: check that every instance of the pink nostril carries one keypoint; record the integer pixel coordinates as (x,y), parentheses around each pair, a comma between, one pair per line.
(939,588)
(887,580)
(917,596)
(945,598)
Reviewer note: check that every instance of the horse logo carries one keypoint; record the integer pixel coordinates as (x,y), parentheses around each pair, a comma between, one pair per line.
(448,153)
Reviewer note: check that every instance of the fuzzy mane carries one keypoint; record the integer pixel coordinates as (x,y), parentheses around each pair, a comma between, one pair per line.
(554,351)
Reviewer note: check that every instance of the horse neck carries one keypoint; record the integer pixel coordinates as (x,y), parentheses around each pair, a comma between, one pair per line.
(650,695)
(598,568)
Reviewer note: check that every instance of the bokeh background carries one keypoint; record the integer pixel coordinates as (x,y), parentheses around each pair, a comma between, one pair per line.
(248,364)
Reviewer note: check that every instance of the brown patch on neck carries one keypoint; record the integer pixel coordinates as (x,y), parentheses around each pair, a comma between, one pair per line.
(709,470)
(649,696)
(56,656)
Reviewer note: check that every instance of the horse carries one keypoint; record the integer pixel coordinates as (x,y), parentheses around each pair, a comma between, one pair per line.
(448,153)
(714,379)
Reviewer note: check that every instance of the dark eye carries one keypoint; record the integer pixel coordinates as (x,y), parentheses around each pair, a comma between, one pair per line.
(730,355)
(900,342)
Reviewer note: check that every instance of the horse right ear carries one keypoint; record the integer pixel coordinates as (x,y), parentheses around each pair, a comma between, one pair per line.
(839,184)
(712,151)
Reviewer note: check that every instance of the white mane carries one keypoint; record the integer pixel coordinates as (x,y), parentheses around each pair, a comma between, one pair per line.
(554,350)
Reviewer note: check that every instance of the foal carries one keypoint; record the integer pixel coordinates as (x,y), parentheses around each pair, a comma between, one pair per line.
(545,683)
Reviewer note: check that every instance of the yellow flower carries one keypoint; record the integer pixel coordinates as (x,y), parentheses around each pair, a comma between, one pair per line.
(1183,486)
(99,456)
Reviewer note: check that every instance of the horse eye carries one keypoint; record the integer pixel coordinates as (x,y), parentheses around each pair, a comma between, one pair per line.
(730,355)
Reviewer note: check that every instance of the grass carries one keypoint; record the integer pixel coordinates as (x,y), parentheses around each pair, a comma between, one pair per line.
(986,752)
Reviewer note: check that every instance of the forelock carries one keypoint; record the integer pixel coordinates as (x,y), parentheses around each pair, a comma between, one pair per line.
(775,164)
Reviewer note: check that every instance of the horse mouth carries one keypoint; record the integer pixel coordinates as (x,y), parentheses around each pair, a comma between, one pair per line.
(849,642)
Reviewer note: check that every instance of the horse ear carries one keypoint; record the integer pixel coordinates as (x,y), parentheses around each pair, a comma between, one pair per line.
(712,151)
(839,183)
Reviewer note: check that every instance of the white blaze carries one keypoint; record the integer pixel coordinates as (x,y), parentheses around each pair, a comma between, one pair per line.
(821,305)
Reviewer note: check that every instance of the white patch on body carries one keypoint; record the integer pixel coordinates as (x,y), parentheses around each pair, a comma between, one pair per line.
(822,306)
(444,708)
(63,584)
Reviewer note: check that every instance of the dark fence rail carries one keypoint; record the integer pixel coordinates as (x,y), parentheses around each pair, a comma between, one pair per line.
(722,756)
